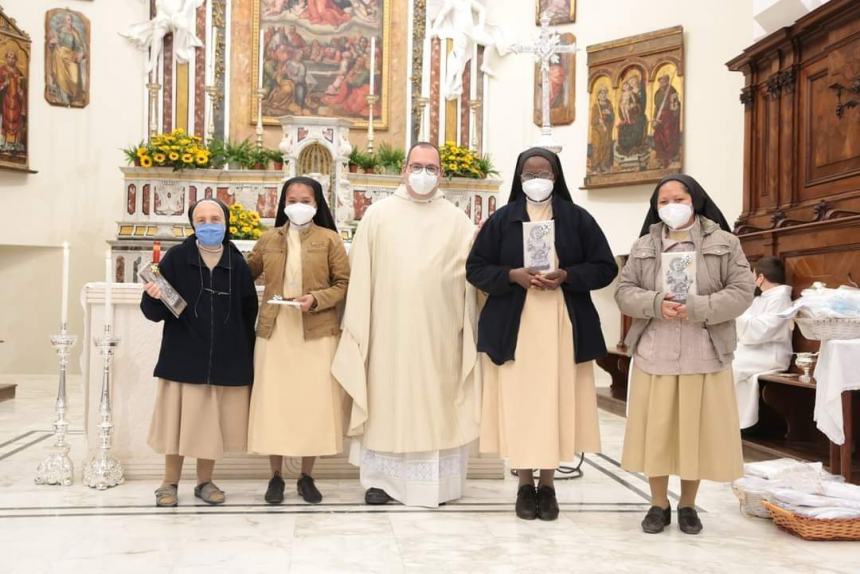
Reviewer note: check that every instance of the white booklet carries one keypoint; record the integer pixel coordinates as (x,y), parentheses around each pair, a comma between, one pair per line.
(539,246)
(679,274)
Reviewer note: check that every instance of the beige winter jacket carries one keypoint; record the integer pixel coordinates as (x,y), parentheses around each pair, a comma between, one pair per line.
(724,284)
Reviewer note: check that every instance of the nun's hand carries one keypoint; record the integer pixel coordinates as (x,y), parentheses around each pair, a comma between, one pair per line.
(682,312)
(152,290)
(550,281)
(669,308)
(522,277)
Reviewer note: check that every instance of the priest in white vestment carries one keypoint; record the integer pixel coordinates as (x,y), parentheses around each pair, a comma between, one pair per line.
(764,338)
(407,355)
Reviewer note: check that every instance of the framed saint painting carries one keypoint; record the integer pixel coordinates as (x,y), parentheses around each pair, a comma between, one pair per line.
(14,95)
(67,58)
(562,88)
(636,105)
(316,59)
(560,11)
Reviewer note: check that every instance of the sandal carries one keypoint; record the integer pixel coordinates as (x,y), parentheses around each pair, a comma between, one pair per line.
(166,496)
(209,493)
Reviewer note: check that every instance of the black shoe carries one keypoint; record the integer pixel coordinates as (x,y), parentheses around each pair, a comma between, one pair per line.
(657,519)
(275,492)
(376,497)
(688,520)
(547,504)
(308,490)
(527,502)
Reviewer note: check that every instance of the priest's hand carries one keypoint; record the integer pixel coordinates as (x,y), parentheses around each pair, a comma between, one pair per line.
(522,277)
(550,281)
(152,290)
(307,302)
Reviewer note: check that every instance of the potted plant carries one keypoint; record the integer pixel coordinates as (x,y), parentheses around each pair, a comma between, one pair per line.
(246,227)
(460,161)
(217,154)
(390,159)
(356,158)
(133,154)
(258,158)
(277,159)
(238,155)
(177,150)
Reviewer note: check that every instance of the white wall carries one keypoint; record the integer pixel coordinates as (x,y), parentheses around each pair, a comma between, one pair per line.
(713,118)
(77,194)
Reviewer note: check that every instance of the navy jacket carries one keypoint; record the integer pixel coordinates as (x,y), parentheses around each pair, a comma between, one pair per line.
(582,251)
(212,341)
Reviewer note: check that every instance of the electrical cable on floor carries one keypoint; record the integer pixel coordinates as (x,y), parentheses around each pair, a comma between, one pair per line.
(566,472)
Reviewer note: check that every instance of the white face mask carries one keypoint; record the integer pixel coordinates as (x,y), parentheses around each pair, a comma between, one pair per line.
(676,215)
(423,183)
(300,213)
(538,189)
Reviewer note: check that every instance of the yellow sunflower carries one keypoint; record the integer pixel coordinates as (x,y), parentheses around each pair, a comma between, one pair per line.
(201,159)
(173,156)
(145,161)
(187,158)
(158,157)
(233,230)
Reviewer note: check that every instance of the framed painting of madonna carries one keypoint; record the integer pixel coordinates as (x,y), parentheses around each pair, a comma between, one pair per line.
(316,58)
(14,95)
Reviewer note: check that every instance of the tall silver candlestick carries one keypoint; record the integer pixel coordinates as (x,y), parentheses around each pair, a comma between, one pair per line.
(153,88)
(212,93)
(57,467)
(102,470)
(261,93)
(371,103)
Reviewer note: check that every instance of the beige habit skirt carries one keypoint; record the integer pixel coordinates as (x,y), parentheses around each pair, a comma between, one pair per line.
(540,409)
(198,420)
(683,425)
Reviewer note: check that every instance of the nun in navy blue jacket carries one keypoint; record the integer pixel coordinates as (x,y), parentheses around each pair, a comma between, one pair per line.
(539,330)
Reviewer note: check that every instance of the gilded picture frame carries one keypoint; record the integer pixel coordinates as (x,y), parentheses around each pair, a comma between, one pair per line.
(316,60)
(636,109)
(15,54)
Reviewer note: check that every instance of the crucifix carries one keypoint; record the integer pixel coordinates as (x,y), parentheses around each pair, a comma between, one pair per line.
(546,50)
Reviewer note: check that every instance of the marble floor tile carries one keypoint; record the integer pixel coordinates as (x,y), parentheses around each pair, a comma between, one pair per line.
(76,529)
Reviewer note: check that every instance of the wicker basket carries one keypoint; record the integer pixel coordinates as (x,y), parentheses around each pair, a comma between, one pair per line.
(814,528)
(751,502)
(822,329)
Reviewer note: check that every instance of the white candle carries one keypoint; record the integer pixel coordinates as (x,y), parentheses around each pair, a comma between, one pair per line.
(212,54)
(372,64)
(473,75)
(64,315)
(108,296)
(261,58)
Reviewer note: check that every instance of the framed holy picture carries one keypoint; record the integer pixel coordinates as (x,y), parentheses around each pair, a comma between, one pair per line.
(560,11)
(636,109)
(562,88)
(316,59)
(67,58)
(15,52)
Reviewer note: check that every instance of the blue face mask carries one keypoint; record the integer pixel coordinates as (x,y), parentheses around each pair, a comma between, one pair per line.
(210,234)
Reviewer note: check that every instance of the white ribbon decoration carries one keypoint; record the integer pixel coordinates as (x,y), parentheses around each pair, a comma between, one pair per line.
(171,16)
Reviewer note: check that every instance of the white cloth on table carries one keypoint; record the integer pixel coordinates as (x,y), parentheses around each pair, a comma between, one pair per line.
(779,468)
(837,371)
(415,478)
(764,346)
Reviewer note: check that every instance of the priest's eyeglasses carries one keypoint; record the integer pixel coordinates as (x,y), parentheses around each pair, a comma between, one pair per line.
(417,167)
(528,176)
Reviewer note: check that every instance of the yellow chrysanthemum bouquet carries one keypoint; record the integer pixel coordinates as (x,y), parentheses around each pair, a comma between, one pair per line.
(176,149)
(244,223)
(460,161)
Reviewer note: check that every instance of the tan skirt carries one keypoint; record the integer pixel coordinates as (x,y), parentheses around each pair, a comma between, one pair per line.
(540,409)
(297,407)
(683,425)
(200,421)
